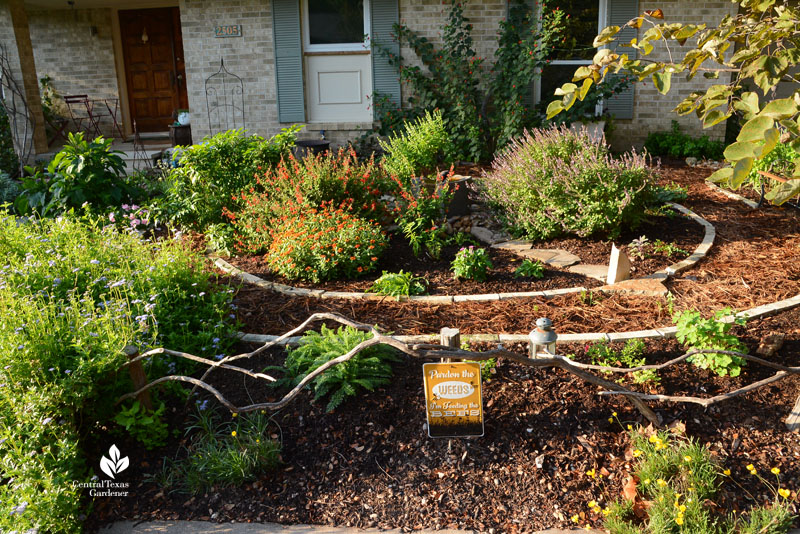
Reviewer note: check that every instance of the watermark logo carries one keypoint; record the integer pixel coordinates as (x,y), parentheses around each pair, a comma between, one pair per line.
(114,465)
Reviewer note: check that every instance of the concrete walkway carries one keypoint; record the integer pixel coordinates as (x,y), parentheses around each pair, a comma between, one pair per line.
(202,527)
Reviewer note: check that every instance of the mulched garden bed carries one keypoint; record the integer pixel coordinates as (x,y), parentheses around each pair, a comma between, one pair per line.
(679,231)
(371,464)
(755,260)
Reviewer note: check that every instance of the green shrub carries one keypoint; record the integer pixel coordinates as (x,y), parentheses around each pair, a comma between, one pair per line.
(368,369)
(472,264)
(73,294)
(222,453)
(679,479)
(9,162)
(531,269)
(324,244)
(555,181)
(696,332)
(400,284)
(421,213)
(418,150)
(337,179)
(9,189)
(146,426)
(679,145)
(82,172)
(210,176)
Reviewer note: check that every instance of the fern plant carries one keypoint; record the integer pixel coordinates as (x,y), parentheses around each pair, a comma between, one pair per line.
(418,150)
(368,369)
(400,284)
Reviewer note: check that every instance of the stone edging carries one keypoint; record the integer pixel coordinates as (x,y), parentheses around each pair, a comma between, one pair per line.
(757,312)
(699,253)
(730,194)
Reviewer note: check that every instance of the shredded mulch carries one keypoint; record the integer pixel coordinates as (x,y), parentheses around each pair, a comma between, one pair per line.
(755,260)
(371,464)
(679,231)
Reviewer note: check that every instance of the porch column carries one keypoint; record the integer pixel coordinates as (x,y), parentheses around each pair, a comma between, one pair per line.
(27,65)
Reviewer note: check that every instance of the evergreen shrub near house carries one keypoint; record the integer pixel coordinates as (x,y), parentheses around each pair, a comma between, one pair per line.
(73,293)
(209,177)
(680,145)
(555,181)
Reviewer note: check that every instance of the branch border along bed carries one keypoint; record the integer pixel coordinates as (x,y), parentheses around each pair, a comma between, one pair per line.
(435,351)
(699,253)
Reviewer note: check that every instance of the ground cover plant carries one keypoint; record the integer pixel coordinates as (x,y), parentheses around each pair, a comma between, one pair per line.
(529,268)
(400,284)
(674,485)
(368,369)
(631,355)
(471,263)
(555,181)
(697,332)
(73,294)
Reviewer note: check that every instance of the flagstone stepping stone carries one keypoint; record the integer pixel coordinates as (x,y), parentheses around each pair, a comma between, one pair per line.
(515,245)
(598,272)
(483,234)
(551,256)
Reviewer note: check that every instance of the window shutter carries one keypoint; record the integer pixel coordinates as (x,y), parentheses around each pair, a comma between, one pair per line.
(288,60)
(619,13)
(385,79)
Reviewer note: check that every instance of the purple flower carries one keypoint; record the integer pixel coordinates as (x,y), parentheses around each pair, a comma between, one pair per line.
(126,207)
(47,420)
(111,217)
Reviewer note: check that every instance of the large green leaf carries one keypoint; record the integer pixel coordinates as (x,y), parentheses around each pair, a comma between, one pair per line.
(782,108)
(714,117)
(662,81)
(606,36)
(771,139)
(783,192)
(554,108)
(741,149)
(741,171)
(721,175)
(754,129)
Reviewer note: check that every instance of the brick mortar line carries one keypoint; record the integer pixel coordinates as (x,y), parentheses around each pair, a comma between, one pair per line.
(699,253)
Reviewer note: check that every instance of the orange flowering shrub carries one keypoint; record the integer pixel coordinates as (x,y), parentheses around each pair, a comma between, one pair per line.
(338,178)
(324,244)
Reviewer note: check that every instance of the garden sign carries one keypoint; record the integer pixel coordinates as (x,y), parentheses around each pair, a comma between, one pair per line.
(453,399)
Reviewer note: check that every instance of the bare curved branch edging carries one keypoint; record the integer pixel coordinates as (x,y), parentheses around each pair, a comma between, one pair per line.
(431,351)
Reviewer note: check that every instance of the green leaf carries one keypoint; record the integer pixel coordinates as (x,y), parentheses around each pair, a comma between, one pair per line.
(741,171)
(587,84)
(721,175)
(714,117)
(771,139)
(686,32)
(754,129)
(662,81)
(581,73)
(748,104)
(741,149)
(554,108)
(566,89)
(783,192)
(605,36)
(783,108)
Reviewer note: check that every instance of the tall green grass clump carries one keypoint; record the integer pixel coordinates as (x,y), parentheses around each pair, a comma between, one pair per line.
(555,181)
(73,294)
(418,150)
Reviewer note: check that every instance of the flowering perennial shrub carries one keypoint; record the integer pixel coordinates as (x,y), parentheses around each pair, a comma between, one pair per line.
(339,178)
(555,181)
(73,294)
(421,212)
(325,243)
(472,264)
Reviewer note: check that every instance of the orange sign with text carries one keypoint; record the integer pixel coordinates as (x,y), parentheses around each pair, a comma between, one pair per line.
(453,399)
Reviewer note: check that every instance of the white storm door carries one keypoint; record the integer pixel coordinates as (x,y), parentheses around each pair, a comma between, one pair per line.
(338,65)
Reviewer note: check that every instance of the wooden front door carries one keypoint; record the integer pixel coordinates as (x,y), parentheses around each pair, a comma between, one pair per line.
(152,48)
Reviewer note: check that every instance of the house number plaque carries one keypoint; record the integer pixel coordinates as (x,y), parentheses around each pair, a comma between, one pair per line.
(231,30)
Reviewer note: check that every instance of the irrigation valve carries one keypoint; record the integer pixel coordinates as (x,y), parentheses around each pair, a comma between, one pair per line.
(543,338)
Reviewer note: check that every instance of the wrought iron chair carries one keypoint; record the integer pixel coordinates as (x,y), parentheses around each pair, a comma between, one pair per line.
(82,115)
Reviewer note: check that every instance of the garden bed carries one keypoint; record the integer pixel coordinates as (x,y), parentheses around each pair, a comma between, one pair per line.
(371,464)
(678,231)
(755,260)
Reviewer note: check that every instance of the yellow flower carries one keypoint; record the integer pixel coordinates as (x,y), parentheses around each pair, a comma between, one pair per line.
(614,414)
(783,492)
(610,419)
(591,473)
(630,427)
(687,458)
(691,488)
(727,472)
(592,504)
(637,453)
(679,520)
(233,433)
(682,508)
(751,467)
(661,482)
(654,439)
(646,481)
(775,471)
(234,414)
(575,518)
(606,511)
